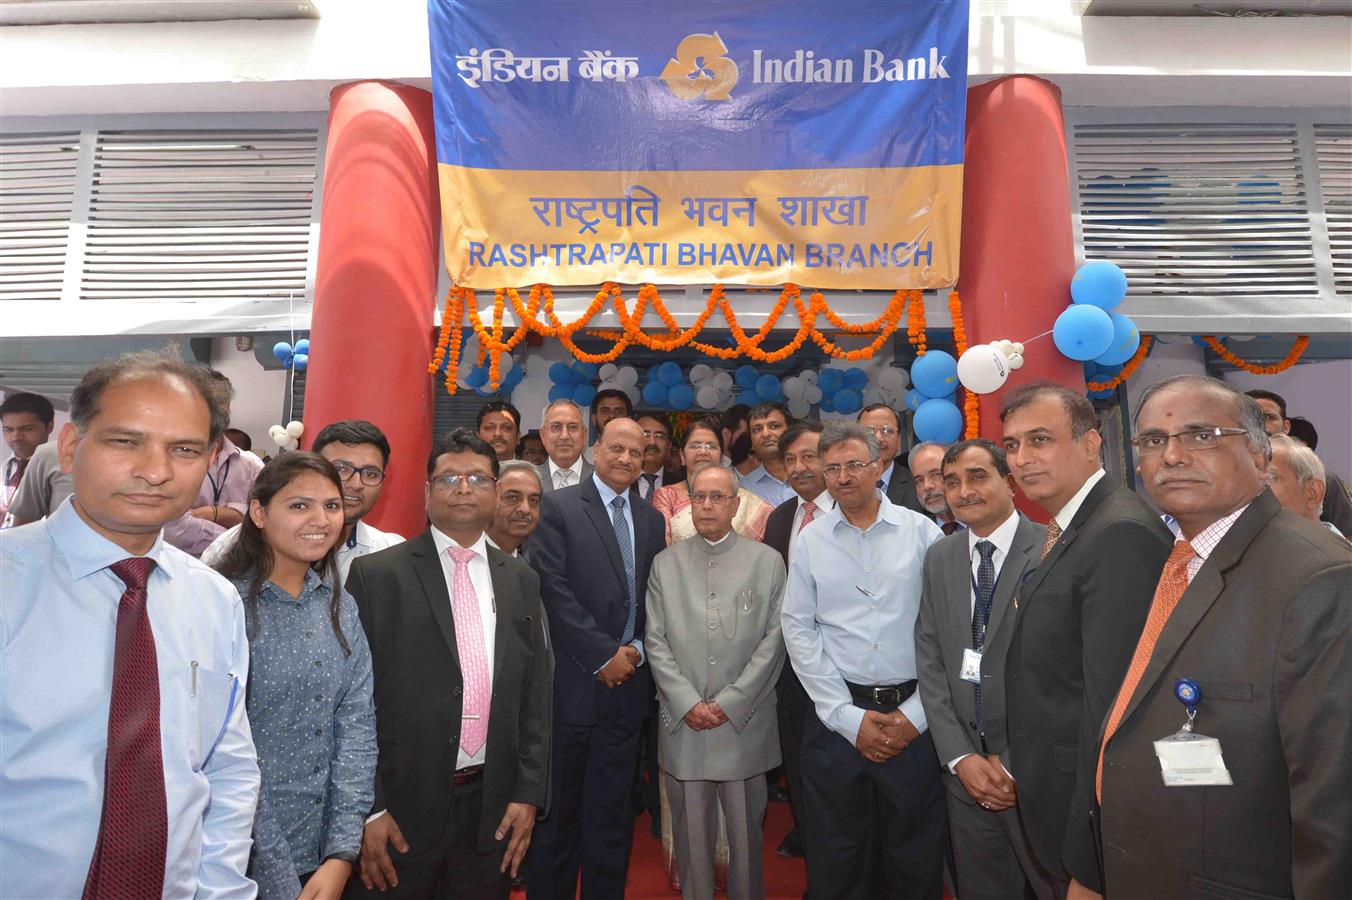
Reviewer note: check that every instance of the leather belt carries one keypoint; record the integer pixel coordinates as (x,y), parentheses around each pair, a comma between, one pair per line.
(469,774)
(891,695)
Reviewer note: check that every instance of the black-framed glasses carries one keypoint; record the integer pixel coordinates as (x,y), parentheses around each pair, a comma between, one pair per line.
(1193,439)
(854,468)
(370,475)
(475,482)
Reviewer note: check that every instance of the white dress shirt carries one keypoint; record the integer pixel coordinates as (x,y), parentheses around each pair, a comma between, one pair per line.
(363,540)
(482,580)
(1066,515)
(824,504)
(574,473)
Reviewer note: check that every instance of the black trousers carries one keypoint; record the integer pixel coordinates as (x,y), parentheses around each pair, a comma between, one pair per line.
(875,830)
(792,709)
(590,826)
(452,870)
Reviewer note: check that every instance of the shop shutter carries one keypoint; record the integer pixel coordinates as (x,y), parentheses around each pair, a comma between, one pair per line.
(1333,151)
(38,173)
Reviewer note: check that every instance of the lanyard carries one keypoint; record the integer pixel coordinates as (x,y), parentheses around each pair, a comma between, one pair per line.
(216,489)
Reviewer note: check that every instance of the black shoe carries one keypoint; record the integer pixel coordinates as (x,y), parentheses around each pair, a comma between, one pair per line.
(778,794)
(791,846)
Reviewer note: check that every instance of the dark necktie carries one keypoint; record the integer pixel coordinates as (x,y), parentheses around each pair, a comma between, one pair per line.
(949,527)
(652,485)
(15,476)
(981,609)
(129,856)
(626,554)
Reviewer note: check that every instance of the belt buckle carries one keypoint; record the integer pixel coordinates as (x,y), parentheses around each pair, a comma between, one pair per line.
(879,693)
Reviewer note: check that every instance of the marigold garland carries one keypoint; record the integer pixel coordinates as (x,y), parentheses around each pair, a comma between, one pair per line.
(1127,370)
(1297,351)
(971,405)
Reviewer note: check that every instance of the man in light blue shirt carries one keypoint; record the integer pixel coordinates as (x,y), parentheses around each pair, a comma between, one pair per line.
(768,481)
(127,768)
(871,782)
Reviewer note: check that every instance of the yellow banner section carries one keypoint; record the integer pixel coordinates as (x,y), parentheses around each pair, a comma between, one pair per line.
(828,228)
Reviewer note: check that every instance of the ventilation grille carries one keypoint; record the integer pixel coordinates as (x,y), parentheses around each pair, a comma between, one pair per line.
(1333,150)
(1201,210)
(37,191)
(199,215)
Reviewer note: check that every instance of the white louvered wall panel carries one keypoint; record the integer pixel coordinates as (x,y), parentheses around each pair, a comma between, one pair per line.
(1197,210)
(199,215)
(37,189)
(1333,150)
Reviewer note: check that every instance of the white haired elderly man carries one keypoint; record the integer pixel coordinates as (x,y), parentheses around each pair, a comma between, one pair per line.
(1296,476)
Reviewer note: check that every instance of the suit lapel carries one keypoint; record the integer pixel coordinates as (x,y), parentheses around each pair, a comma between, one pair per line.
(960,589)
(1091,502)
(427,564)
(598,514)
(1203,592)
(1021,553)
(502,599)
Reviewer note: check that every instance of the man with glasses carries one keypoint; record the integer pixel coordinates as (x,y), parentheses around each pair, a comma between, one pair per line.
(1247,640)
(1079,613)
(517,512)
(896,481)
(563,432)
(499,423)
(361,454)
(872,794)
(715,650)
(593,550)
(460,666)
(656,447)
(1337,504)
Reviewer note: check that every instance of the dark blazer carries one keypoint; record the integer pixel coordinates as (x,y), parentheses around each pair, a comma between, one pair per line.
(406,610)
(583,587)
(1337,509)
(547,483)
(779,527)
(944,629)
(1080,614)
(1265,629)
(901,489)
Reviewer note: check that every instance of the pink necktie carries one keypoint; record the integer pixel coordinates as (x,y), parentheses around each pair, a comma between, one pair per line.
(469,641)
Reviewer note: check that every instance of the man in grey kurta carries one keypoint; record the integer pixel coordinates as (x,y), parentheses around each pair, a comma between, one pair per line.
(715,651)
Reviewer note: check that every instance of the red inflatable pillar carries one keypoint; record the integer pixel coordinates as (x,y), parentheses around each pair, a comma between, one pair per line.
(1018,249)
(376,282)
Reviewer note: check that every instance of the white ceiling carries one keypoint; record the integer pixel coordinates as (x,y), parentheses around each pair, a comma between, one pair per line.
(81,12)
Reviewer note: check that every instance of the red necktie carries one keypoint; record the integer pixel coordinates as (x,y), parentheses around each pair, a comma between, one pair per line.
(809,510)
(130,854)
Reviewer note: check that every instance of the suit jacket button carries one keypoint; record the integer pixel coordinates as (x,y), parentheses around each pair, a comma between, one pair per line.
(457,692)
(455,738)
(972,725)
(712,626)
(712,660)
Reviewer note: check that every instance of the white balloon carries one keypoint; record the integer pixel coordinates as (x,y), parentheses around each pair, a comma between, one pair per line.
(983,369)
(812,394)
(1016,361)
(792,387)
(628,376)
(874,395)
(1016,347)
(707,396)
(799,407)
(277,433)
(608,372)
(724,380)
(632,393)
(892,379)
(295,429)
(700,373)
(810,376)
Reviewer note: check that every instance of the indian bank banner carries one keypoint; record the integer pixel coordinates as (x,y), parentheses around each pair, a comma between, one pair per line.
(690,142)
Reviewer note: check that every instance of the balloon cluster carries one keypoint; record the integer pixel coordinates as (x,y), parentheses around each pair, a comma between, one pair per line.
(1088,330)
(842,389)
(667,387)
(297,357)
(510,374)
(932,399)
(801,391)
(713,387)
(573,382)
(620,378)
(287,437)
(888,388)
(755,387)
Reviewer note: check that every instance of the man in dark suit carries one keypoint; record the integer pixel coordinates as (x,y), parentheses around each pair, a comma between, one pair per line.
(656,447)
(1079,614)
(1254,607)
(897,483)
(593,549)
(966,619)
(463,686)
(564,433)
(803,468)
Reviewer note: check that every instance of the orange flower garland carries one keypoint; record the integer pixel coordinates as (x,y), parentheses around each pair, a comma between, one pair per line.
(1127,370)
(971,405)
(1297,351)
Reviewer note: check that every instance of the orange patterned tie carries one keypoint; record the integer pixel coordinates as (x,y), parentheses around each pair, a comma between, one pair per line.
(1173,582)
(1053,535)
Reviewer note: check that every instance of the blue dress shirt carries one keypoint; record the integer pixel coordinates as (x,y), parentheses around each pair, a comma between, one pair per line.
(760,482)
(607,495)
(850,609)
(58,618)
(314,722)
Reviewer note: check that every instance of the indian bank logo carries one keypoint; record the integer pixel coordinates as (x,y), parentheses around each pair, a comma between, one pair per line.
(701,69)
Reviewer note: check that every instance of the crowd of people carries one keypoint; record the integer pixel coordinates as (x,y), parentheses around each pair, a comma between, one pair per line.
(217,678)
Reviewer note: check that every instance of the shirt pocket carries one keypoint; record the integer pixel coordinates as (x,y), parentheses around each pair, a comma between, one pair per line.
(214,697)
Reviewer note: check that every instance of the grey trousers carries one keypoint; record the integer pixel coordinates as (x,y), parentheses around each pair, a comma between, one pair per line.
(991,854)
(694,827)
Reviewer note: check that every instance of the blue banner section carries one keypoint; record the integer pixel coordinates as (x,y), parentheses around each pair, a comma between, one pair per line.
(629,86)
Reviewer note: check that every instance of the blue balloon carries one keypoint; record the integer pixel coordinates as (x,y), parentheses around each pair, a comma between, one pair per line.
(655,393)
(476,377)
(768,388)
(1099,283)
(515,376)
(681,396)
(828,403)
(583,371)
(560,392)
(1081,332)
(914,398)
(1126,340)
(300,361)
(746,376)
(830,381)
(559,373)
(282,350)
(748,397)
(303,346)
(669,373)
(935,374)
(938,421)
(847,400)
(484,391)
(584,394)
(855,379)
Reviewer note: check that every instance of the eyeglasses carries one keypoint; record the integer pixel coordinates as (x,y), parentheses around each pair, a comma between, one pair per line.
(656,436)
(475,482)
(561,427)
(701,445)
(852,468)
(370,475)
(717,498)
(883,430)
(1192,439)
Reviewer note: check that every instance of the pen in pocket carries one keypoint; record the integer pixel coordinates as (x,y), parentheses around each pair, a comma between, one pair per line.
(193,692)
